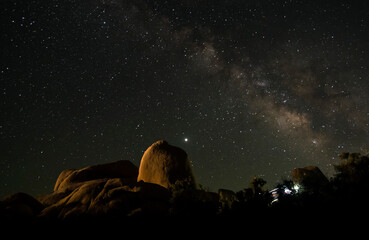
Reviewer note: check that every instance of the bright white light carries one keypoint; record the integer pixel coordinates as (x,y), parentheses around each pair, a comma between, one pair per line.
(296,187)
(186,139)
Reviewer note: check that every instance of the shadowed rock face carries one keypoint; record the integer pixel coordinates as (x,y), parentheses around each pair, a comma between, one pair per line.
(311,177)
(103,190)
(108,197)
(70,179)
(164,164)
(20,205)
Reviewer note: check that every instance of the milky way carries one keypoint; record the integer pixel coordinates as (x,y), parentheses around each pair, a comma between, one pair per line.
(245,87)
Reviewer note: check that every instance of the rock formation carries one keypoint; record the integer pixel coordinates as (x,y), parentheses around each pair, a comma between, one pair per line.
(70,179)
(164,164)
(107,197)
(111,189)
(20,205)
(310,177)
(103,190)
(119,189)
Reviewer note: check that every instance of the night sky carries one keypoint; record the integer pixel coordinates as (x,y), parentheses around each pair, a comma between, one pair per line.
(244,87)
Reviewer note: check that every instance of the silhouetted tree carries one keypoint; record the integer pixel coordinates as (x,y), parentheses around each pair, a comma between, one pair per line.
(257,185)
(351,182)
(354,169)
(252,199)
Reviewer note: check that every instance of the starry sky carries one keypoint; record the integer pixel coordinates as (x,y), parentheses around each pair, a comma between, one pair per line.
(244,87)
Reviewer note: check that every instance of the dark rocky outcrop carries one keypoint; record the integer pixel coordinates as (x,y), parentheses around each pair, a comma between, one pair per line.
(20,205)
(311,178)
(309,174)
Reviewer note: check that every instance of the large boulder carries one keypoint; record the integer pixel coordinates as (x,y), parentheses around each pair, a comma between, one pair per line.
(164,164)
(310,177)
(103,190)
(71,179)
(110,198)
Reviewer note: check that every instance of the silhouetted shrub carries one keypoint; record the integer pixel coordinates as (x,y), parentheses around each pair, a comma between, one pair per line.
(186,200)
(252,199)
